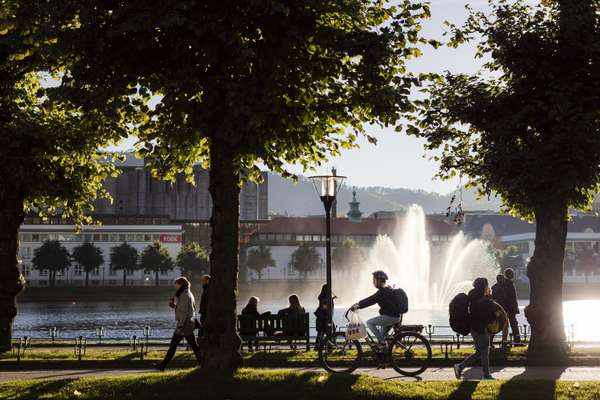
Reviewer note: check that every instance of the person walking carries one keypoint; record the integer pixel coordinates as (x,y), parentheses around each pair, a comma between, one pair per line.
(512,305)
(185,308)
(203,309)
(483,311)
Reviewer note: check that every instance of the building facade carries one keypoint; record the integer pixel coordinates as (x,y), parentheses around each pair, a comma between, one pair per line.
(104,237)
(136,193)
(284,235)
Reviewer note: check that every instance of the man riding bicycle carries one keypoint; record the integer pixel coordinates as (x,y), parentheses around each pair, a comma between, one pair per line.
(389,309)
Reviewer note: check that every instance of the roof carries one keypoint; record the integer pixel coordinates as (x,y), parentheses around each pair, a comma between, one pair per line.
(506,225)
(367,226)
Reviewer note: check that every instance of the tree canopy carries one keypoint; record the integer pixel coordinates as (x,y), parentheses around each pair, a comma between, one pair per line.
(305,259)
(241,84)
(193,260)
(155,258)
(89,257)
(124,257)
(259,259)
(528,128)
(53,257)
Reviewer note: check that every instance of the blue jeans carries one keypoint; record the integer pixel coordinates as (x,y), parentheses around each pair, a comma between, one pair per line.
(381,325)
(482,352)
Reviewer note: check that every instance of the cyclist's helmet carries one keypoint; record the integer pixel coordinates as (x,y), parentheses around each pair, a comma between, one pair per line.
(380,275)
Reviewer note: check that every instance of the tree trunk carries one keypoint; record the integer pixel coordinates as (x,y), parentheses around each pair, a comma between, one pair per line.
(545,272)
(222,343)
(87,278)
(124,277)
(11,280)
(156,278)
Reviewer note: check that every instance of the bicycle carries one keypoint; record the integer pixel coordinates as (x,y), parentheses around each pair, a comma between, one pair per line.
(406,351)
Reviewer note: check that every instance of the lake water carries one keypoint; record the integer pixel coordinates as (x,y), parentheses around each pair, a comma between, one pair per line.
(125,319)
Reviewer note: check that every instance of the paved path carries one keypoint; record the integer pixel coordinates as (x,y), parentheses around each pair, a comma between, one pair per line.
(432,374)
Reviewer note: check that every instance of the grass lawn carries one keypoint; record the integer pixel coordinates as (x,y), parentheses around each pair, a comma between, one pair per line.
(288,385)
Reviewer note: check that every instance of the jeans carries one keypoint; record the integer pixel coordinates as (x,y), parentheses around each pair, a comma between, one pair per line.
(482,352)
(381,325)
(175,340)
(514,327)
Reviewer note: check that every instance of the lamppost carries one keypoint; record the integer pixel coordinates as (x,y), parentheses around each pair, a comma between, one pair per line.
(327,187)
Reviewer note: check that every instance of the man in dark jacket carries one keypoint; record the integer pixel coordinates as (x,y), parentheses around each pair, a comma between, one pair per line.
(202,310)
(389,310)
(511,305)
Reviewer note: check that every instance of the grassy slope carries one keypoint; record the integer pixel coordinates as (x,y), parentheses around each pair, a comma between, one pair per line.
(287,385)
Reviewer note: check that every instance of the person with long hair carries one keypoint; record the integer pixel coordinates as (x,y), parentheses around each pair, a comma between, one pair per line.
(293,317)
(185,309)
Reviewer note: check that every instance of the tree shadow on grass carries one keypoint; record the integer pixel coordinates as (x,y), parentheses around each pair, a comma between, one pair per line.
(37,390)
(464,391)
(532,383)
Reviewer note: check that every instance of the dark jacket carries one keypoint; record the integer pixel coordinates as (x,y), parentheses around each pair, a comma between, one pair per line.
(293,321)
(512,304)
(385,299)
(321,315)
(499,294)
(203,301)
(482,311)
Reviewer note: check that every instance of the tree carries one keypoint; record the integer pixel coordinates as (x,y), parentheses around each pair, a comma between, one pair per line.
(53,257)
(156,258)
(260,258)
(346,257)
(305,259)
(527,130)
(89,257)
(48,148)
(124,257)
(193,260)
(255,83)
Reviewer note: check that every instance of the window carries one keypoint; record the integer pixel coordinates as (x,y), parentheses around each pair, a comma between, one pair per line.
(25,269)
(316,238)
(262,237)
(26,252)
(307,238)
(155,237)
(104,237)
(130,237)
(114,237)
(96,237)
(271,236)
(299,238)
(43,237)
(77,270)
(35,237)
(139,237)
(26,237)
(164,273)
(44,272)
(122,237)
(147,237)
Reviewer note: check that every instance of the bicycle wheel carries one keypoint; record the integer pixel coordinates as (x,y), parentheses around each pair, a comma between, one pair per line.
(410,353)
(339,356)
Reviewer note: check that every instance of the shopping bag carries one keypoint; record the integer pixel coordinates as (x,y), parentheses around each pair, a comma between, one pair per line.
(356,328)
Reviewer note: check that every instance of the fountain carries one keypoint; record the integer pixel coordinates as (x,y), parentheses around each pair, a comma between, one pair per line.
(407,259)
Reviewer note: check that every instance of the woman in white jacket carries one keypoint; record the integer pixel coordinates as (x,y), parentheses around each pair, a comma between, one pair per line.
(185,310)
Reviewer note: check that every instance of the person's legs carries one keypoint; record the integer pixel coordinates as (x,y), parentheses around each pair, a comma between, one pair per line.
(481,341)
(380,325)
(484,351)
(514,327)
(191,340)
(175,340)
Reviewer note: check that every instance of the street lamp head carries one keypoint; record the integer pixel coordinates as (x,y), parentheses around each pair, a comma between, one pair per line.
(327,186)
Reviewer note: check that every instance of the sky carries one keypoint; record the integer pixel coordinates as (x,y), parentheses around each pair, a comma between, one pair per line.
(399,161)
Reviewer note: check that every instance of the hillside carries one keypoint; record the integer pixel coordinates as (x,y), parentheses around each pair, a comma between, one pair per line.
(300,199)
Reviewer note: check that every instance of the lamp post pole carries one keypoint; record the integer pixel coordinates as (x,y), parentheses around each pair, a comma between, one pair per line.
(328,202)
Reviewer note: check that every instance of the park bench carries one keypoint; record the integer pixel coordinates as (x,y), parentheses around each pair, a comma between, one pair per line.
(272,329)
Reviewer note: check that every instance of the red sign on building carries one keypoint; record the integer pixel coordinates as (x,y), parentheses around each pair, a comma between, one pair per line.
(170,238)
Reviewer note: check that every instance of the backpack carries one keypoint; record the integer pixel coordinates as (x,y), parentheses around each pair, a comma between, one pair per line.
(459,314)
(401,300)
